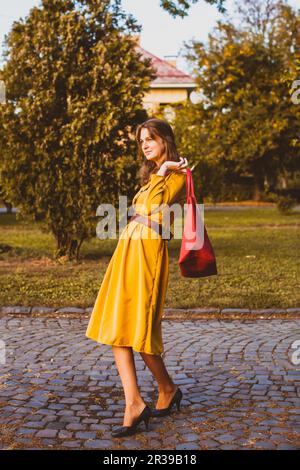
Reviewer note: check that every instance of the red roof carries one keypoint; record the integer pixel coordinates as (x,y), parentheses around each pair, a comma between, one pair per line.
(166,74)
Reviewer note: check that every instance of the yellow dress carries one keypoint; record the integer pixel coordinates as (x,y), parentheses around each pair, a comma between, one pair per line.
(129,305)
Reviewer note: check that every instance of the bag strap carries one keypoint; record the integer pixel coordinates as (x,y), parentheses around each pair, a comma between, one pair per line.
(189,184)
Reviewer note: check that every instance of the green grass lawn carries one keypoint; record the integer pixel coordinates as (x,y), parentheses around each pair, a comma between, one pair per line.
(257,254)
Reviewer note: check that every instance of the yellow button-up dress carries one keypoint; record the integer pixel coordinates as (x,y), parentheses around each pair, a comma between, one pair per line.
(129,305)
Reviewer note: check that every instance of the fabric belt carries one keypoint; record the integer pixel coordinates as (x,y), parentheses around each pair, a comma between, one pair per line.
(158,228)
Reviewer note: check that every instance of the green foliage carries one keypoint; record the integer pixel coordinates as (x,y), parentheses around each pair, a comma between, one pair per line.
(181,7)
(74,89)
(245,123)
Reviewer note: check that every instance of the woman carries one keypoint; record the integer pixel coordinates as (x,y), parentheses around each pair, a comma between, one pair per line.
(129,306)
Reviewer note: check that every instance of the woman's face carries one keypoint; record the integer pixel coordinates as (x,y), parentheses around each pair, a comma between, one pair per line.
(152,148)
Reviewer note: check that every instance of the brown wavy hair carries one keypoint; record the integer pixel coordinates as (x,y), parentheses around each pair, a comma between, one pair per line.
(156,128)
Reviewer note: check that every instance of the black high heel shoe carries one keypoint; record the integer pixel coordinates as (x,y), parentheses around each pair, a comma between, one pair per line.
(129,430)
(165,411)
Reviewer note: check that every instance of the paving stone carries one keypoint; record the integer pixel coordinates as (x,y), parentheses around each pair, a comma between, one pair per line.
(15,309)
(72,444)
(23,440)
(26,431)
(63,434)
(264,445)
(98,427)
(288,447)
(187,446)
(98,444)
(209,443)
(48,442)
(76,426)
(225,438)
(190,437)
(131,443)
(34,424)
(42,310)
(85,435)
(56,425)
(47,433)
(70,310)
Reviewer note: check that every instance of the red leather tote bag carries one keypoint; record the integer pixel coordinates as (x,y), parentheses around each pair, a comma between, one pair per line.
(197,258)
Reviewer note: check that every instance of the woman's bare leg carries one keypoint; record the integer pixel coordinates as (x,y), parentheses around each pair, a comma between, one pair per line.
(134,402)
(166,386)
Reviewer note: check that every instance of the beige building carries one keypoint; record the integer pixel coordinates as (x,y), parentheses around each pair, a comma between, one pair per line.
(170,85)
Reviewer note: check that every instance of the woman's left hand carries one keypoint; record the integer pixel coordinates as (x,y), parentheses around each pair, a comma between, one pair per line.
(176,167)
(182,166)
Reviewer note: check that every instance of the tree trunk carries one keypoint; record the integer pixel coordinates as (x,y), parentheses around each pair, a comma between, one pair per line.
(67,247)
(8,206)
(258,184)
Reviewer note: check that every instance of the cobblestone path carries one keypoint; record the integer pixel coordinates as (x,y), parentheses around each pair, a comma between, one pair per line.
(240,382)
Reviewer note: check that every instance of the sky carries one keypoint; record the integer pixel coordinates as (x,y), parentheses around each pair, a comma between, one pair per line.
(161,34)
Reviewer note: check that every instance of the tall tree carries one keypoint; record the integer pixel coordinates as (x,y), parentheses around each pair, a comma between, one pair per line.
(246,120)
(74,89)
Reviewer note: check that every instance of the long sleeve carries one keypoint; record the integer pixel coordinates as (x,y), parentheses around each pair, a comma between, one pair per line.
(167,189)
(176,188)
